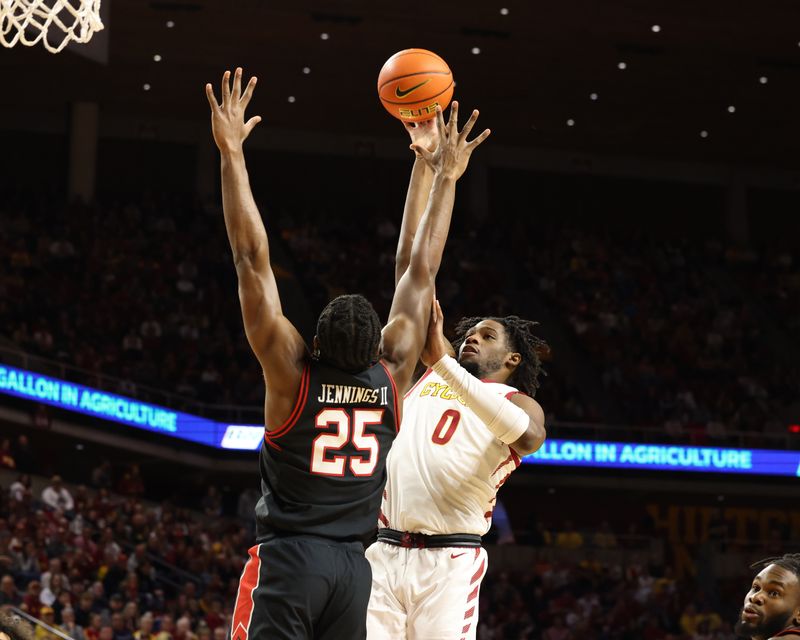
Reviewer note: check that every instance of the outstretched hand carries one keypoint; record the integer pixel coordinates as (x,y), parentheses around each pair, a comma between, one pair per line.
(436,346)
(451,156)
(227,119)
(423,134)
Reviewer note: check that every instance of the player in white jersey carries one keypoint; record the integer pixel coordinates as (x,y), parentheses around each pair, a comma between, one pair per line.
(464,431)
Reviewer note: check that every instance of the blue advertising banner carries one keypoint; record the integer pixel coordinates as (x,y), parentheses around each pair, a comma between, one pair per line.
(567,453)
(662,457)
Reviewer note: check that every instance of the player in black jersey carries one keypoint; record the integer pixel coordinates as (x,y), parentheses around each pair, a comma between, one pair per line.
(772,606)
(330,417)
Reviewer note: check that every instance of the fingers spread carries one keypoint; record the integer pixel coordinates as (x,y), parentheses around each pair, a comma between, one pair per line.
(468,127)
(440,126)
(453,122)
(226,88)
(212,100)
(250,124)
(479,139)
(248,92)
(237,83)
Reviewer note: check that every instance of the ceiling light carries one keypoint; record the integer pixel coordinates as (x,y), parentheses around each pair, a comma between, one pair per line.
(731,109)
(763,79)
(655,28)
(503,11)
(570,123)
(704,134)
(157,58)
(291,98)
(170,24)
(622,66)
(476,50)
(146,86)
(593,96)
(324,36)
(306,70)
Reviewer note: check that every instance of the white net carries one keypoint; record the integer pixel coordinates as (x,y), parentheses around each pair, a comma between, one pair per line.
(54,22)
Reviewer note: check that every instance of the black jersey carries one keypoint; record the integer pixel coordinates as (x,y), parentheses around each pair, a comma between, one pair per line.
(792,631)
(323,470)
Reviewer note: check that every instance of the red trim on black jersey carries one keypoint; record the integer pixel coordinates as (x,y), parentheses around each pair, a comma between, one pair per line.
(418,382)
(397,417)
(792,631)
(299,405)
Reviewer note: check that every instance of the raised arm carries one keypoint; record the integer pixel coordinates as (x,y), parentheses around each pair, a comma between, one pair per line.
(404,334)
(426,135)
(276,343)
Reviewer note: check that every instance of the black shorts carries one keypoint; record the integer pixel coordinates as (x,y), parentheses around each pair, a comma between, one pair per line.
(303,588)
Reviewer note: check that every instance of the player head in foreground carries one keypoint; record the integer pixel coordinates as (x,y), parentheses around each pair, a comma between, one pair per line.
(772,606)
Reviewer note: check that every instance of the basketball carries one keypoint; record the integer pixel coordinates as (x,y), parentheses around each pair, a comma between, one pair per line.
(412,82)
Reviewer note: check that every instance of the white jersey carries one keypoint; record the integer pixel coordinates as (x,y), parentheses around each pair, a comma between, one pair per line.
(445,466)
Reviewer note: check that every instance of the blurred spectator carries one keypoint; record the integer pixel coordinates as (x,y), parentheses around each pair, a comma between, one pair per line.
(568,538)
(101,475)
(9,594)
(212,502)
(57,496)
(69,626)
(604,538)
(47,615)
(131,483)
(20,489)
(6,455)
(23,454)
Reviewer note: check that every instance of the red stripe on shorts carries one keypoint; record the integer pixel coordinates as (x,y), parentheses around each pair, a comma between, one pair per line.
(476,578)
(243,609)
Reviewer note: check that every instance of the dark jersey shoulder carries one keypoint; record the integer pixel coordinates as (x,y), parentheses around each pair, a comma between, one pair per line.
(323,470)
(792,632)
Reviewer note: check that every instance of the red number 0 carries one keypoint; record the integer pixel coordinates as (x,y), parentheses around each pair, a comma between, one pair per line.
(450,419)
(361,466)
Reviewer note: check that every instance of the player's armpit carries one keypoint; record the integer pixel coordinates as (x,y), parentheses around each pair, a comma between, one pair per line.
(534,437)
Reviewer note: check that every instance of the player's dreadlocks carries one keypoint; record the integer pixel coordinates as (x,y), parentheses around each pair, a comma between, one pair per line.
(789,561)
(14,627)
(349,332)
(521,339)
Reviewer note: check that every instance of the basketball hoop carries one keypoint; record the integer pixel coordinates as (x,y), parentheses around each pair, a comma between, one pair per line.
(54,22)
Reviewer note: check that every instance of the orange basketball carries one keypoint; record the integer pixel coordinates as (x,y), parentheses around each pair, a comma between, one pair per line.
(412,82)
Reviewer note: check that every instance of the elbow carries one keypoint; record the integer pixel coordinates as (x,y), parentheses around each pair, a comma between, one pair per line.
(531,440)
(245,256)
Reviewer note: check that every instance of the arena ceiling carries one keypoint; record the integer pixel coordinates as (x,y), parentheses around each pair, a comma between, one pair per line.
(538,66)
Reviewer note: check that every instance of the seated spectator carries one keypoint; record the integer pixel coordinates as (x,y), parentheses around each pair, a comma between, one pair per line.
(605,538)
(48,616)
(20,489)
(6,456)
(57,497)
(23,454)
(69,626)
(101,475)
(568,538)
(9,594)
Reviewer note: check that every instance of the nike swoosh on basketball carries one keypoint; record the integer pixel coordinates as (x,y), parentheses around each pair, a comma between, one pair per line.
(456,555)
(402,93)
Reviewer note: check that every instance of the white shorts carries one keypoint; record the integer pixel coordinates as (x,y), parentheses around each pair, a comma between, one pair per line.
(424,594)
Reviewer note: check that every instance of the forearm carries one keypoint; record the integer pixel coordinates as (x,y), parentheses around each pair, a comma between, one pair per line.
(419,188)
(503,418)
(246,231)
(428,247)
